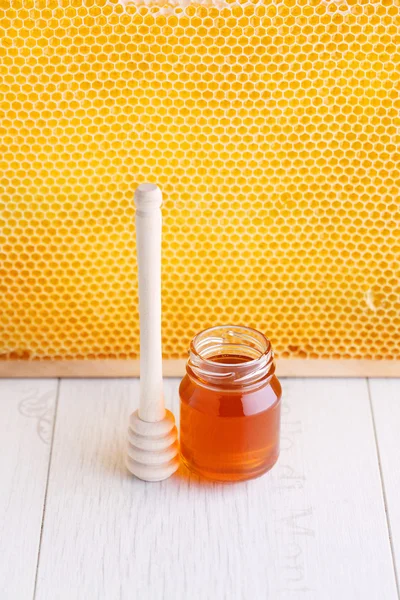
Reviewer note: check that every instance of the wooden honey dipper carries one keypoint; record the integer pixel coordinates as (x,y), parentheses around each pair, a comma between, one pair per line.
(152,435)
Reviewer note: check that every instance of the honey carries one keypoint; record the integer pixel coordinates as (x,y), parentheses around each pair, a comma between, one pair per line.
(230,405)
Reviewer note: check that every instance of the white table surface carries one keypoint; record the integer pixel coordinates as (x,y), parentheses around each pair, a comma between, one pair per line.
(74,525)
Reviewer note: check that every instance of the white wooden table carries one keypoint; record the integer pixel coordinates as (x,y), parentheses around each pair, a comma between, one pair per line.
(74,525)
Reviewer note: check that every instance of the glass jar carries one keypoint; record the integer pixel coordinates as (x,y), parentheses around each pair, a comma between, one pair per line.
(230,405)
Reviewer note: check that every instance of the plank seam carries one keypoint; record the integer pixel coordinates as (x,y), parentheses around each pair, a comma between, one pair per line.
(47,487)
(388,524)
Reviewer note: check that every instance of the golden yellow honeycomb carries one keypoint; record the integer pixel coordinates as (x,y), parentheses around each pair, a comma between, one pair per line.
(273,129)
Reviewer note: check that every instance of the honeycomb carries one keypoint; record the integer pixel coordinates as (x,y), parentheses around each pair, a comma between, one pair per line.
(273,130)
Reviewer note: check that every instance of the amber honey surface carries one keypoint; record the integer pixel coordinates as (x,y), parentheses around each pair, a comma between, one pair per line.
(229,434)
(273,129)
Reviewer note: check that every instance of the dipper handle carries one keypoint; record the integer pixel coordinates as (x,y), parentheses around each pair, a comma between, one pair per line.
(148,199)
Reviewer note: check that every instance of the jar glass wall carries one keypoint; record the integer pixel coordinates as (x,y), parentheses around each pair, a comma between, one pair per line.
(230,405)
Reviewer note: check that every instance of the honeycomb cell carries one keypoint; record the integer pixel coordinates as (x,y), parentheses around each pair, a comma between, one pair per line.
(273,130)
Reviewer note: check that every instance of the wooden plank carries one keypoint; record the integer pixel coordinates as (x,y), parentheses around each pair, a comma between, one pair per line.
(26,426)
(313,528)
(287,367)
(385,399)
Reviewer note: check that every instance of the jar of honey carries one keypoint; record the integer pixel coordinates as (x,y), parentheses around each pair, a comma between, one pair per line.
(230,405)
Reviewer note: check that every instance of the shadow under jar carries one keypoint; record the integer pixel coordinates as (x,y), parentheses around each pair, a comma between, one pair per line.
(230,405)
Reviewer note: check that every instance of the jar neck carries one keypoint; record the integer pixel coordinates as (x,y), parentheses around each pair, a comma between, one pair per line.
(230,357)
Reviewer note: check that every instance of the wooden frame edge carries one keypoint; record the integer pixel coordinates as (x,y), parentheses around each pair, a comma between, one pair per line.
(286,367)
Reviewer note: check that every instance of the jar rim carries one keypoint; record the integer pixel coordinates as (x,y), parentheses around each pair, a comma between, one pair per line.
(242,328)
(235,340)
